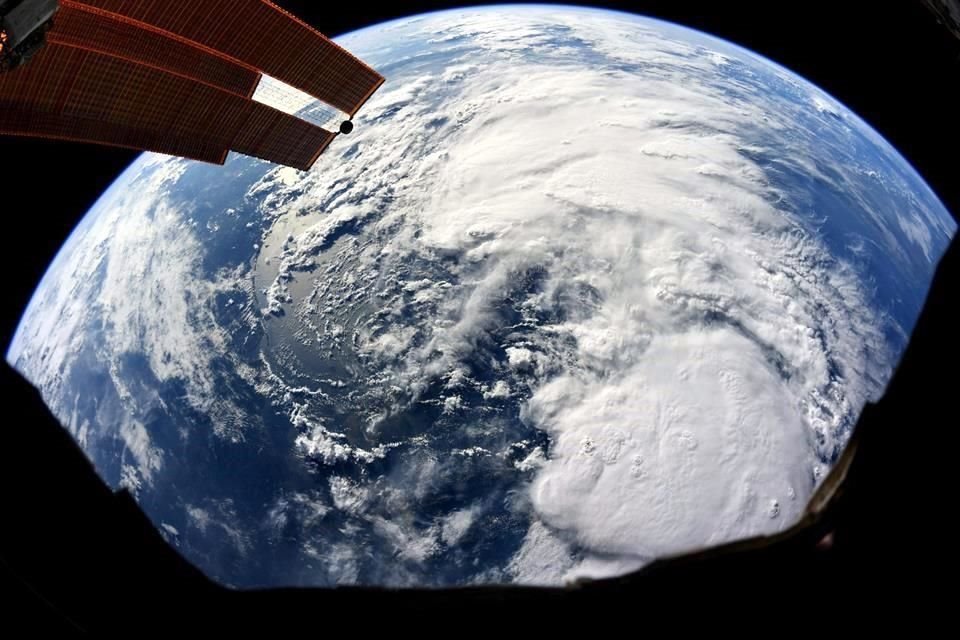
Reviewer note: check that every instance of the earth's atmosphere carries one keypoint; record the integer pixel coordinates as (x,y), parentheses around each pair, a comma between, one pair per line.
(581,290)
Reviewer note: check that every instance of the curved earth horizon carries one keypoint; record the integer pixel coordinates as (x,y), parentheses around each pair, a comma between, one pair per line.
(582,289)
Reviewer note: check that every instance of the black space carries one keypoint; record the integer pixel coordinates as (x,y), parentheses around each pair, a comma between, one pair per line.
(73,556)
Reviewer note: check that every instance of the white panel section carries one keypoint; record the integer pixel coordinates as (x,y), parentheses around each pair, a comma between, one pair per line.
(289,99)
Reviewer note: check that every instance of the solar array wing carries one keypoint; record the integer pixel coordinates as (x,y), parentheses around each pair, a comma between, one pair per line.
(76,94)
(178,77)
(263,36)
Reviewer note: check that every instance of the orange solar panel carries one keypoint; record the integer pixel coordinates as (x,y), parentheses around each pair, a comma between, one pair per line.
(79,25)
(24,121)
(77,94)
(260,34)
(271,135)
(178,77)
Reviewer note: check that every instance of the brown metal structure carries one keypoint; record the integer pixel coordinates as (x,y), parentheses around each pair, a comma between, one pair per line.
(76,94)
(177,77)
(262,35)
(80,25)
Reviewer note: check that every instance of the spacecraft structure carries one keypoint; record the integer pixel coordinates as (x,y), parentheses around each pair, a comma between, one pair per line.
(174,77)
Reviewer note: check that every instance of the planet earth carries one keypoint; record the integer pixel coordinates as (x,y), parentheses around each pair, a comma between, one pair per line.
(582,289)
